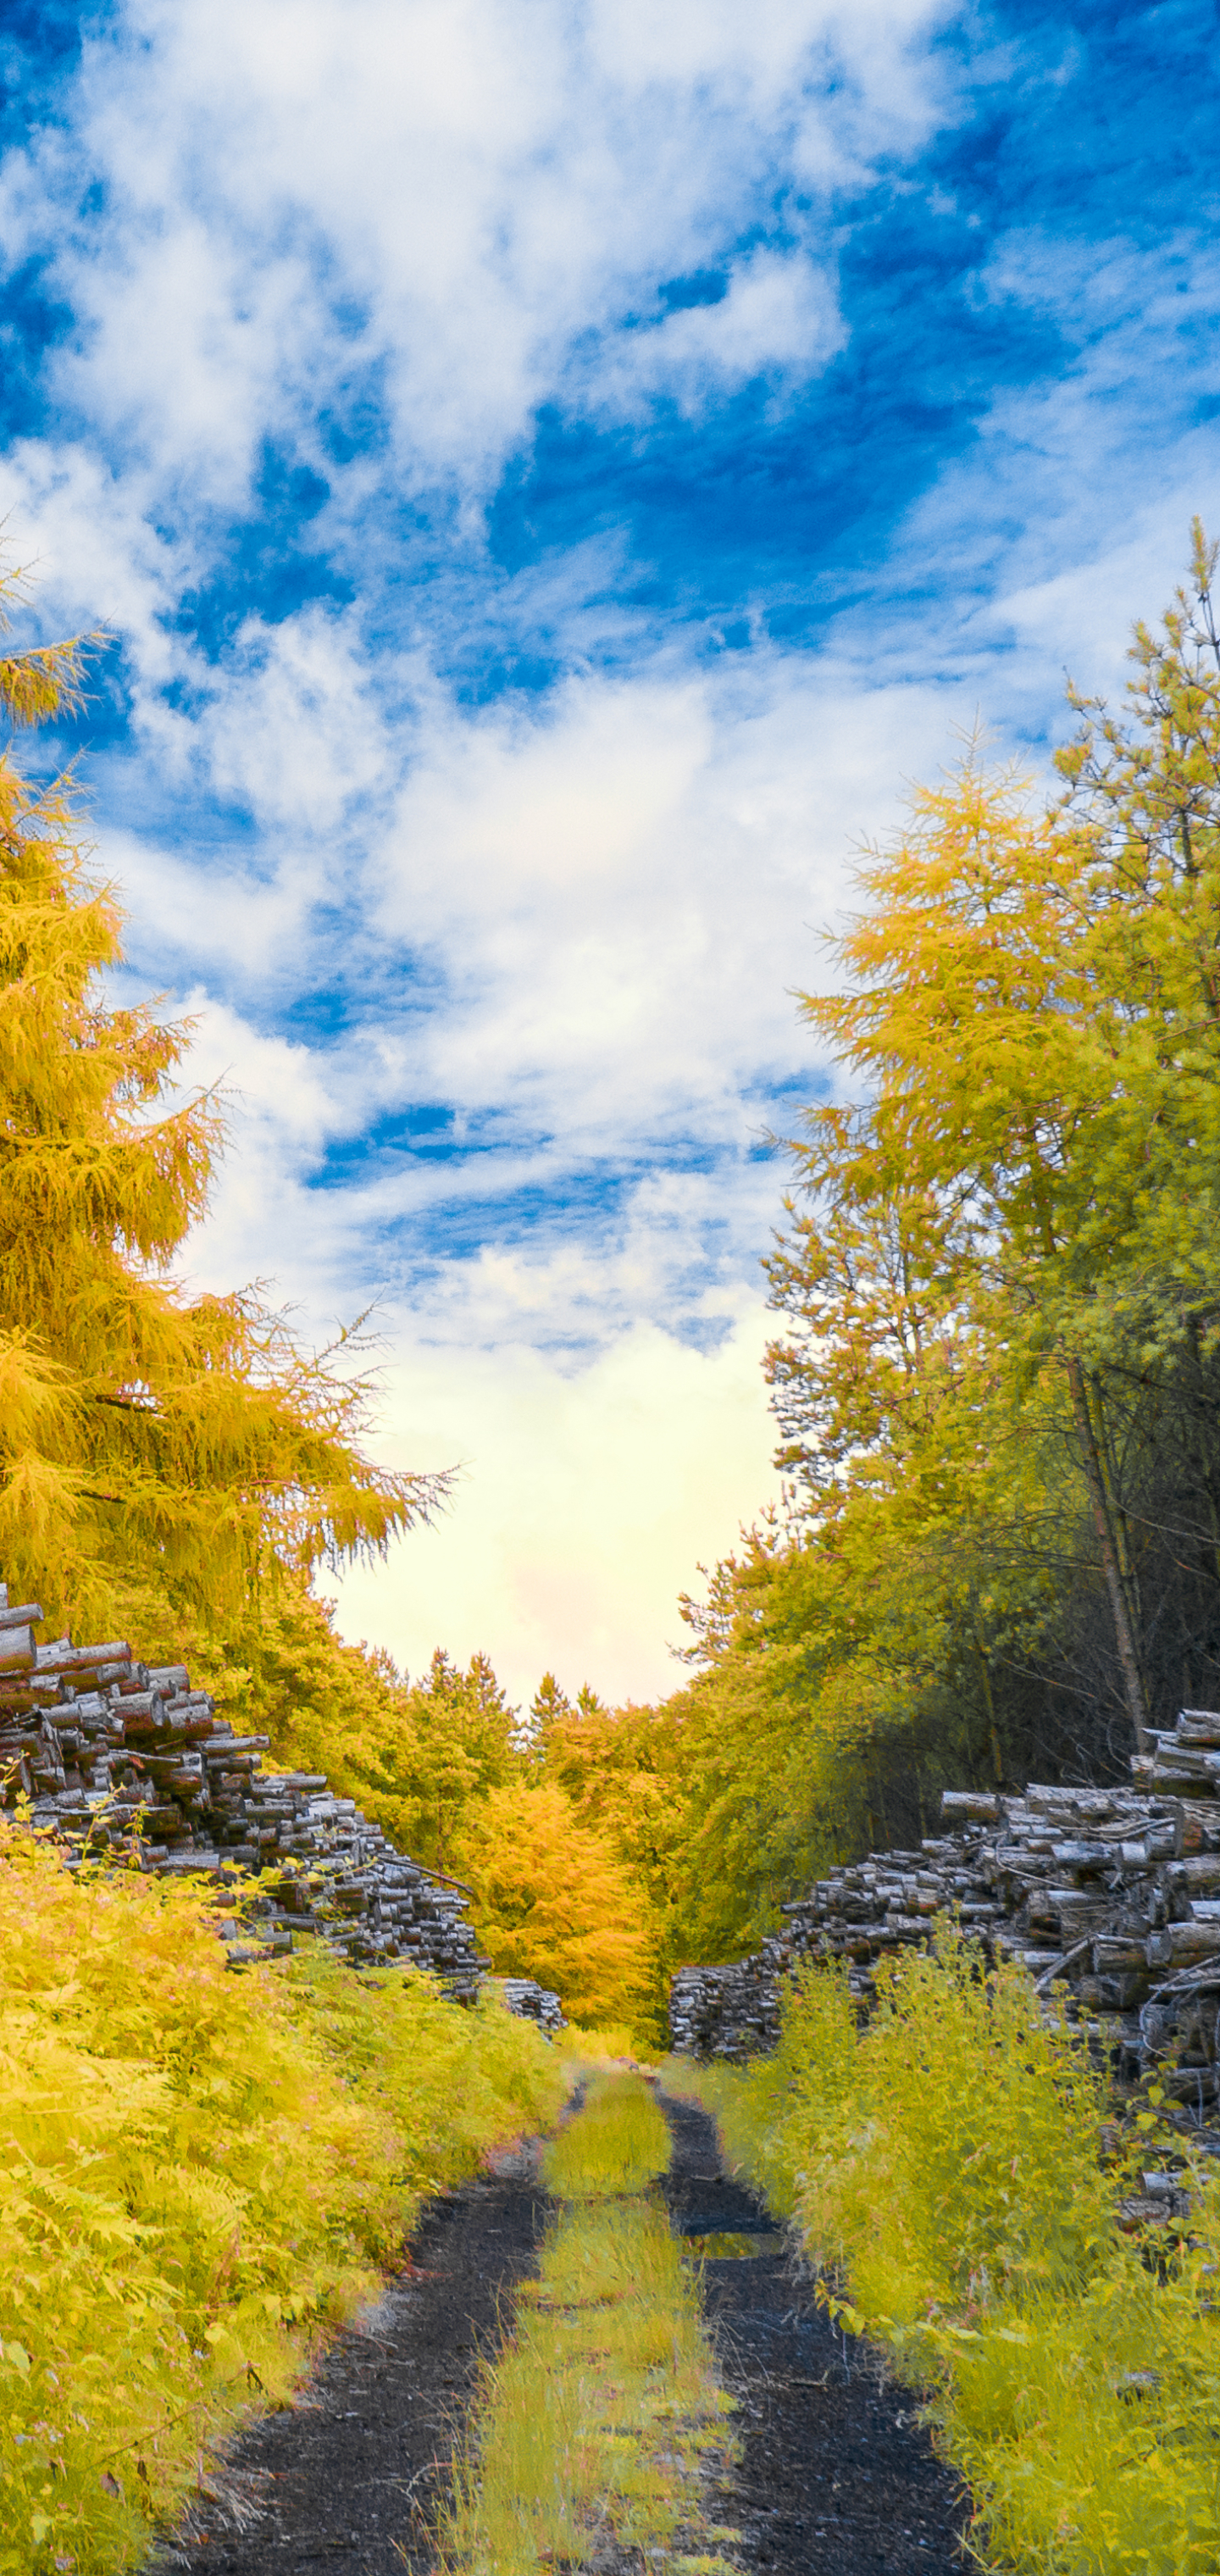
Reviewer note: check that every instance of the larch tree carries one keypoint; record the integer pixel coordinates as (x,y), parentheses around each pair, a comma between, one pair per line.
(553,1900)
(155,1447)
(1032,1011)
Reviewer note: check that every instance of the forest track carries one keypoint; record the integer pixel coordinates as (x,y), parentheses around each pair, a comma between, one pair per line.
(833,2478)
(350,2478)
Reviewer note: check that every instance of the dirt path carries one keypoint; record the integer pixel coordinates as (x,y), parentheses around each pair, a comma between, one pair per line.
(349,2479)
(833,2480)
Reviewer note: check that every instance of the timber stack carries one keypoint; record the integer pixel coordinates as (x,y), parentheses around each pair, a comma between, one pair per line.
(533,2002)
(1109,1897)
(124,1760)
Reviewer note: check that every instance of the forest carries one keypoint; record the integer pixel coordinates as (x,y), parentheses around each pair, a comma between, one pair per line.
(994,1371)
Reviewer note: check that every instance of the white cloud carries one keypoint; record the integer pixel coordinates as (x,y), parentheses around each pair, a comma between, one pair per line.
(575,921)
(475,190)
(586,1504)
(622,884)
(777,318)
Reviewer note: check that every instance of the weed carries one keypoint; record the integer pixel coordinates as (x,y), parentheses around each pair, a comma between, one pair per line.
(951,2171)
(600,2409)
(201,2175)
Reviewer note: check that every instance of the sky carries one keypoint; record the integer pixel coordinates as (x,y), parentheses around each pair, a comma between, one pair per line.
(553,475)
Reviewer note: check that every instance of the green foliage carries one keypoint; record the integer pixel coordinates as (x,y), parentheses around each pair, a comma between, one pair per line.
(952,2170)
(997,1372)
(202,2174)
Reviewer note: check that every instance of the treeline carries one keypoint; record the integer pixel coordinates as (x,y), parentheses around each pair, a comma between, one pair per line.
(996,1373)
(175,1469)
(996,1369)
(997,1365)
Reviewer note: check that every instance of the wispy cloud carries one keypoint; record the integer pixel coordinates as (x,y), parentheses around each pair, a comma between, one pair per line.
(552,473)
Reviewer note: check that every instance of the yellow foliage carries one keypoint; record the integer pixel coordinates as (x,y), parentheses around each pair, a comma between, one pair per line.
(554,1901)
(412,1754)
(625,1771)
(146,1438)
(947,2167)
(597,2414)
(200,2174)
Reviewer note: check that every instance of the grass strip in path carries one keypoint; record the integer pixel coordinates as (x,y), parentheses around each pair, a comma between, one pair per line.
(603,2415)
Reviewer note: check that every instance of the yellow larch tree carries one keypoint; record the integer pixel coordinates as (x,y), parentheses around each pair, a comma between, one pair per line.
(156,1449)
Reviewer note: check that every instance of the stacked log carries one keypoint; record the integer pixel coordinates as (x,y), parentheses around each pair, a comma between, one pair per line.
(124,1759)
(1109,1897)
(533,2002)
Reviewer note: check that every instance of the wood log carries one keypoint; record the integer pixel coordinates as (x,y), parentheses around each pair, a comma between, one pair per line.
(18,1653)
(24,1614)
(63,1657)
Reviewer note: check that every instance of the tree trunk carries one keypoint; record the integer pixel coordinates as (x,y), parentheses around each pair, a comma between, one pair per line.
(1133,1688)
(989,1701)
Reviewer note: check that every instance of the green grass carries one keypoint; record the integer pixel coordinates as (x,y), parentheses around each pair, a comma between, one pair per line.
(604,2410)
(617,2144)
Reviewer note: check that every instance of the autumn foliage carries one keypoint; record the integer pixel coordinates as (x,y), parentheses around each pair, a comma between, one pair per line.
(159,1452)
(201,2175)
(996,1368)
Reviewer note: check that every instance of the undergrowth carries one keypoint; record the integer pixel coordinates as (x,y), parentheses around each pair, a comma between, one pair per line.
(200,2176)
(601,2410)
(955,2170)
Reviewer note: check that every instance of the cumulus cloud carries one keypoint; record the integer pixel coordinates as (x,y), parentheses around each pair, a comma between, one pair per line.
(460,195)
(489,886)
(586,1503)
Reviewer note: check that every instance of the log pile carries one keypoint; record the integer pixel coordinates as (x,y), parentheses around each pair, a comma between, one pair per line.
(1110,1897)
(534,2003)
(122,1758)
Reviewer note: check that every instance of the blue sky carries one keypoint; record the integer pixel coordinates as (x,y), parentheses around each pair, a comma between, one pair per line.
(551,473)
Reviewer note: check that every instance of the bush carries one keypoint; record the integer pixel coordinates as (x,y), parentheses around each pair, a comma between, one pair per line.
(952,2171)
(201,2174)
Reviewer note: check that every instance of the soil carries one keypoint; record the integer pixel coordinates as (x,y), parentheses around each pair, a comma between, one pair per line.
(349,2479)
(833,2477)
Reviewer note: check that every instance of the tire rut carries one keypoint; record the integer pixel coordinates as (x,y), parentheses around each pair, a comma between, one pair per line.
(349,2478)
(834,2479)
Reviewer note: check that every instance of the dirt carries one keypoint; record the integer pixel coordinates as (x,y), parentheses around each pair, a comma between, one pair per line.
(834,2478)
(349,2479)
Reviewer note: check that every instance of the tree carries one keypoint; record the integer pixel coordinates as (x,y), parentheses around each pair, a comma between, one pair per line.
(415,1755)
(469,1736)
(1032,1013)
(156,1449)
(555,1902)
